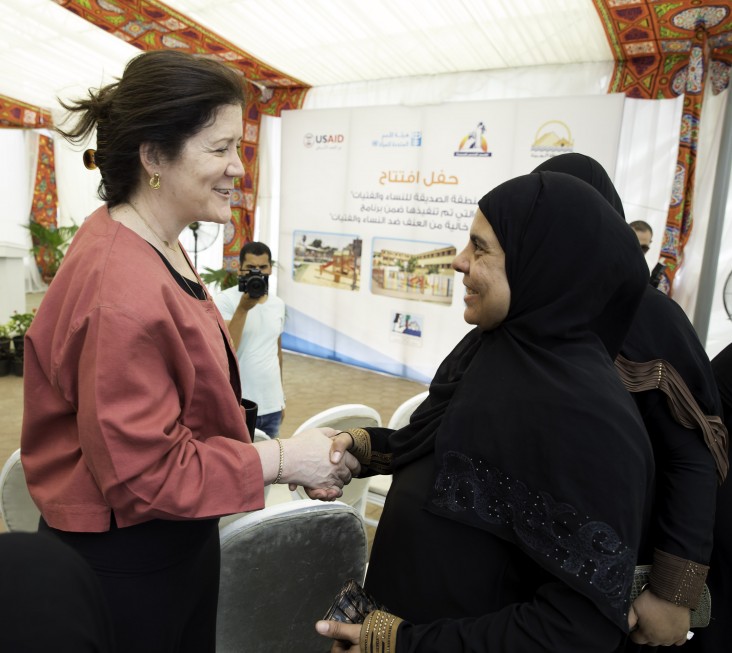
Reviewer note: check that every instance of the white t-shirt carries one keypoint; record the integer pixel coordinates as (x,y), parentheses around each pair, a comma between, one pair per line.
(259,365)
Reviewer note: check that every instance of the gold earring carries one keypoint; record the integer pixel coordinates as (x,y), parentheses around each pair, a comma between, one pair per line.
(155,181)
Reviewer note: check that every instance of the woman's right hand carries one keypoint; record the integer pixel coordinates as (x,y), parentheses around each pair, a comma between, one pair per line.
(341,442)
(308,462)
(656,622)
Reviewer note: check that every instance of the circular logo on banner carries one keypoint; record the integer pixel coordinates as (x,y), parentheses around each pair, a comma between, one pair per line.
(552,138)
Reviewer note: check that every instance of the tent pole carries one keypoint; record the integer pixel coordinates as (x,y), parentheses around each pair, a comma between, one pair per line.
(713,243)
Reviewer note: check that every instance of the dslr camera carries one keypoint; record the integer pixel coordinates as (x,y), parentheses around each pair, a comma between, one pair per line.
(254,283)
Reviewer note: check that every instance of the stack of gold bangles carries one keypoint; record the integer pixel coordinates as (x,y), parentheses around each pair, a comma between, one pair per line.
(379,631)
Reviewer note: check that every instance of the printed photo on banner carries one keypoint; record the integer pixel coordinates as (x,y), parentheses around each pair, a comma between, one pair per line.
(327,259)
(406,327)
(412,269)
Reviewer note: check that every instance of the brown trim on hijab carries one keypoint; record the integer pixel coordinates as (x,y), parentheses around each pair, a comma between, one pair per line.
(661,375)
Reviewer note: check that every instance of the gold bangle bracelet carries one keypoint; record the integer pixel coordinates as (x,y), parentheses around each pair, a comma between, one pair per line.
(365,631)
(282,461)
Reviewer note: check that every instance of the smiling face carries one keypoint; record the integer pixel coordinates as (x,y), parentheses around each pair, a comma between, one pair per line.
(483,262)
(198,184)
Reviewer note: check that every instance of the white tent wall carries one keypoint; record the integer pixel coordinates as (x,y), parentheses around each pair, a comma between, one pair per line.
(76,186)
(649,145)
(266,223)
(18,272)
(720,323)
(16,183)
(534,81)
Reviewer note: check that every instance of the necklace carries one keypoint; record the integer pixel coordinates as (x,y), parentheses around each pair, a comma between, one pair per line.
(185,281)
(167,245)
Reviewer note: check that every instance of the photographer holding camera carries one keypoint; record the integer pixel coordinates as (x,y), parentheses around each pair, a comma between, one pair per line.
(256,320)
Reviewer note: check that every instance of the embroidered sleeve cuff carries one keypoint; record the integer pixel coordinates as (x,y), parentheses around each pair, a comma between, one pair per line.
(379,632)
(677,580)
(361,448)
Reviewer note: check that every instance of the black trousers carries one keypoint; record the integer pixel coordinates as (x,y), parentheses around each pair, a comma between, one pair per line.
(160,580)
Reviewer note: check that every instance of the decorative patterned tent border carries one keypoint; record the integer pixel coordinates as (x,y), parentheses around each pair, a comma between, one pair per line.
(15,114)
(152,25)
(665,49)
(44,208)
(45,202)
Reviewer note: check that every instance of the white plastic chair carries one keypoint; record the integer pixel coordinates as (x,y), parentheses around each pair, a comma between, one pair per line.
(281,568)
(16,506)
(341,418)
(404,411)
(379,485)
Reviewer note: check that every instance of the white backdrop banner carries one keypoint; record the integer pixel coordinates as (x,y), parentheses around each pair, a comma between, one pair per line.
(376,202)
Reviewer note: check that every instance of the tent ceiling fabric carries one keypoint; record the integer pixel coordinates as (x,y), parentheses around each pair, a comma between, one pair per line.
(46,51)
(325,42)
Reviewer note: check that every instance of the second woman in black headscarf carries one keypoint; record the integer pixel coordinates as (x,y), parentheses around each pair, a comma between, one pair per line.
(517,508)
(664,365)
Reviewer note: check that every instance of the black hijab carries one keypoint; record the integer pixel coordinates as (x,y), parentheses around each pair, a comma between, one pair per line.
(540,443)
(587,169)
(660,336)
(417,439)
(722,367)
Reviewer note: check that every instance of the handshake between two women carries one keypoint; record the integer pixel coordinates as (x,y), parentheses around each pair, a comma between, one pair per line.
(316,458)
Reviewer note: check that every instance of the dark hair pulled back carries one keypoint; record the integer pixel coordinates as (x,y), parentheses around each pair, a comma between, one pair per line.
(163,98)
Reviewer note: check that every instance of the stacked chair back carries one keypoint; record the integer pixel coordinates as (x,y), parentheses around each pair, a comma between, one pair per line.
(281,568)
(16,506)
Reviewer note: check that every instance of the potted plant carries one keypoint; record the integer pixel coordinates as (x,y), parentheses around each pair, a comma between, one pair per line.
(222,277)
(19,324)
(49,246)
(6,355)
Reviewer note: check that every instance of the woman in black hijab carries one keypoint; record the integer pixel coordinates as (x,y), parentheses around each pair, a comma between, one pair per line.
(664,365)
(718,635)
(518,500)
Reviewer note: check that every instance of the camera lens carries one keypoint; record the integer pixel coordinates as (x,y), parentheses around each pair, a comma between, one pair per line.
(256,287)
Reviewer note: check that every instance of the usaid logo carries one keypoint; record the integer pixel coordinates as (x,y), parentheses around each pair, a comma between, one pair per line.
(324,141)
